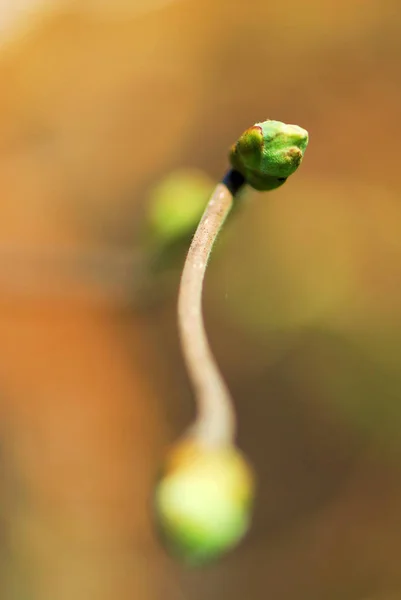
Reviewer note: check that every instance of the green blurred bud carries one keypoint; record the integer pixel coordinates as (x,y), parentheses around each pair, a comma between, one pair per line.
(176,204)
(204,501)
(268,153)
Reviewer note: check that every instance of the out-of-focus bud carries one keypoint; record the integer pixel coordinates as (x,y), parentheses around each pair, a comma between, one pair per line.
(176,204)
(204,501)
(268,153)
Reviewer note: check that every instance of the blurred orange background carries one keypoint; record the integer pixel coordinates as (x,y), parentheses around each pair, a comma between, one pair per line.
(100,101)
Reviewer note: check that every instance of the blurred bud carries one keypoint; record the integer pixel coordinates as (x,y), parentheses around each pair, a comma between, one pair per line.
(176,204)
(269,152)
(204,501)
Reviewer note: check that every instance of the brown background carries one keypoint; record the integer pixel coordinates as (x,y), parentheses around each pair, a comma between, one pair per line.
(100,100)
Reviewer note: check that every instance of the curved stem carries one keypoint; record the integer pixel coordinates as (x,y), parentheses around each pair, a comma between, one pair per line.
(215,422)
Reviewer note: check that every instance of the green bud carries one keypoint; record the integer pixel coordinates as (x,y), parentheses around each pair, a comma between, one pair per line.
(177,202)
(268,153)
(203,501)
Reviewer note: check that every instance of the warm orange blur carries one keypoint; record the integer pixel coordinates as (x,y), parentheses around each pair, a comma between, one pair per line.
(303,301)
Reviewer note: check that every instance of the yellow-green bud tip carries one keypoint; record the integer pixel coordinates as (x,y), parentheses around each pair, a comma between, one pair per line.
(268,153)
(203,501)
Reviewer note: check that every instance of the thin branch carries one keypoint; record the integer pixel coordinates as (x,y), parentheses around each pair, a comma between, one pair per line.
(215,422)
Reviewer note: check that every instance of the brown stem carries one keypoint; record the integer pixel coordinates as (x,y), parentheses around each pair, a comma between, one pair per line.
(215,422)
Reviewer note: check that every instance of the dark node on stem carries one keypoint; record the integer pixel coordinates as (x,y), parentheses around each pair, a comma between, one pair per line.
(233,180)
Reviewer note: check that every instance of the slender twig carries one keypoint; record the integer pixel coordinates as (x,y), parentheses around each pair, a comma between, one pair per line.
(199,519)
(215,421)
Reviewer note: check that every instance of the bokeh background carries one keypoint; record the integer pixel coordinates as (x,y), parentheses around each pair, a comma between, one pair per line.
(115,120)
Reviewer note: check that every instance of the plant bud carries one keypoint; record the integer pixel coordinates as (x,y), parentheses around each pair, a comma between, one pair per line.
(203,501)
(268,153)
